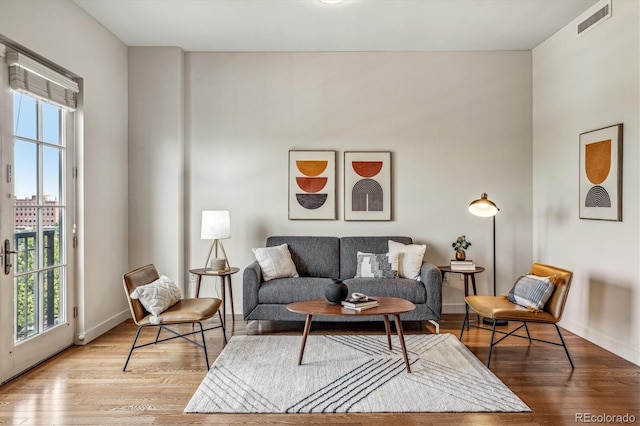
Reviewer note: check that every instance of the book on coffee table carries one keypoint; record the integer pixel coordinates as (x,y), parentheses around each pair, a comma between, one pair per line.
(361,308)
(359,303)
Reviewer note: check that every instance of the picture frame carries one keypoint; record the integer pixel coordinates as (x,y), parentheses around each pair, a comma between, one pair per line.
(367,185)
(600,181)
(312,185)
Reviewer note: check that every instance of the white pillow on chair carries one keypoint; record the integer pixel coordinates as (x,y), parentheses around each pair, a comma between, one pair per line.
(157,297)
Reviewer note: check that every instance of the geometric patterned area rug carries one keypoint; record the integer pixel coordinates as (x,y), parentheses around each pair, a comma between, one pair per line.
(350,374)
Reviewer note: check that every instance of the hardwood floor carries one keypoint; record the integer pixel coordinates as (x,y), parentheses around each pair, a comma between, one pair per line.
(85,384)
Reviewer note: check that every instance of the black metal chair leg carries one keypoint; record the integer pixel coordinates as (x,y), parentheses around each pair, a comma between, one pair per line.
(564,345)
(466,320)
(493,332)
(224,331)
(133,346)
(158,335)
(204,345)
(527,330)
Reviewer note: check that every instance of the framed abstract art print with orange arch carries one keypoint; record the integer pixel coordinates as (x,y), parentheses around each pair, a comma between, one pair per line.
(312,185)
(601,174)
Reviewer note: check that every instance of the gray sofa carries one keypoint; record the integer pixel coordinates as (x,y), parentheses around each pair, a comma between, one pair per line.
(318,260)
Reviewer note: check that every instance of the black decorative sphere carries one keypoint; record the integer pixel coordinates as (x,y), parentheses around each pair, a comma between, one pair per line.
(336,292)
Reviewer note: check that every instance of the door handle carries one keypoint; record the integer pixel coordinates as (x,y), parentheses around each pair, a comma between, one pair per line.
(7,257)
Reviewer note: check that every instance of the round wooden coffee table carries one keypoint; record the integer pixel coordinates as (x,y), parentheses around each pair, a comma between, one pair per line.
(386,306)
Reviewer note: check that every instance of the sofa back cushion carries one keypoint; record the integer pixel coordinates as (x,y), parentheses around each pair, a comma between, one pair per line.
(313,256)
(350,246)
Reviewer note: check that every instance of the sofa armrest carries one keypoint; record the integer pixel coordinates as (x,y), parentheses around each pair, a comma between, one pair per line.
(251,282)
(432,280)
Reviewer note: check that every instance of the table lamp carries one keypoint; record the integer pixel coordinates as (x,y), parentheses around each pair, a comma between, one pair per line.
(216,226)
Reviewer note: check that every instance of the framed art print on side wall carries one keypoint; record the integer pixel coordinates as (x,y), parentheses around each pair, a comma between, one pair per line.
(367,185)
(601,174)
(312,185)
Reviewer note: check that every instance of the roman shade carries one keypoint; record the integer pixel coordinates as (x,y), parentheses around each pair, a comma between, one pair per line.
(29,76)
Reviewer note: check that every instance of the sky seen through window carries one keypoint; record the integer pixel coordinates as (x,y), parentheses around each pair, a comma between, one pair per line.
(25,114)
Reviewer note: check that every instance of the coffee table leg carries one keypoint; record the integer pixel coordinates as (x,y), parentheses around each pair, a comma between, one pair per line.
(387,328)
(401,338)
(307,327)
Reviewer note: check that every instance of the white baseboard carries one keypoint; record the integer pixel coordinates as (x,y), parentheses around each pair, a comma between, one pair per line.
(616,346)
(103,327)
(453,308)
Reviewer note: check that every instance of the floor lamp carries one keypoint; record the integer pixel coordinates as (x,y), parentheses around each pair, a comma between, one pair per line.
(483,207)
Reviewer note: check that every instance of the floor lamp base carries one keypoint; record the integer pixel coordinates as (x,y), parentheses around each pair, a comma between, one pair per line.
(489,321)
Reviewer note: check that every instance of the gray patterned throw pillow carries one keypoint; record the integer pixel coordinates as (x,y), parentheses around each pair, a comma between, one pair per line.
(371,265)
(531,292)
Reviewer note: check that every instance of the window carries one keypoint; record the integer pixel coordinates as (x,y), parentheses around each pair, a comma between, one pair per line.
(40,156)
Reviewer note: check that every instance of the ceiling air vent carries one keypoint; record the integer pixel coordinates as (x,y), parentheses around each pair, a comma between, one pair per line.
(594,16)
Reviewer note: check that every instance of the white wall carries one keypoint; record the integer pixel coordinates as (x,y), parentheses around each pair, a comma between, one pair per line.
(582,84)
(61,32)
(458,124)
(156,160)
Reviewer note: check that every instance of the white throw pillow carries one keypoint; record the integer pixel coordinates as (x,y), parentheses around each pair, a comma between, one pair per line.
(410,260)
(275,262)
(157,297)
(372,265)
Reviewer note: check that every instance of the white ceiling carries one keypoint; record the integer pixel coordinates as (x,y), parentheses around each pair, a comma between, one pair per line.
(353,25)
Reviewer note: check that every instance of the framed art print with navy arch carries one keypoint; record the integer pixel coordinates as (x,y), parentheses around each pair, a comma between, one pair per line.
(367,185)
(601,174)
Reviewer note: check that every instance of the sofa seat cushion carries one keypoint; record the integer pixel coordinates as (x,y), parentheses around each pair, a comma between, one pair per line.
(403,288)
(289,290)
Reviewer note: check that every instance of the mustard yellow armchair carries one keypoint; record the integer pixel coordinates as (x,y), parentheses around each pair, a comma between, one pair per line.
(499,308)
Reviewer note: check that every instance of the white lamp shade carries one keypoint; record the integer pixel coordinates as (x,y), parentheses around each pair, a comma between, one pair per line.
(483,207)
(216,225)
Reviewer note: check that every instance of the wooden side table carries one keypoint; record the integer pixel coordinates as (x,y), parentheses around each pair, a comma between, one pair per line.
(224,276)
(466,274)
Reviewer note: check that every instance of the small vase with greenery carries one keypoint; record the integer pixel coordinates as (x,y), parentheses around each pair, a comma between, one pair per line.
(460,245)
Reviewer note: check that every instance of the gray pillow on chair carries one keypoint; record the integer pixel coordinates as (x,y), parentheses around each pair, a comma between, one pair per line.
(531,292)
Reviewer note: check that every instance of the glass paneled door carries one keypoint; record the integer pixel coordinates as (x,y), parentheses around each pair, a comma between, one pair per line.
(35,228)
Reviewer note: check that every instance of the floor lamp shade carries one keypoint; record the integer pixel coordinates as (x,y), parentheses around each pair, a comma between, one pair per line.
(216,226)
(483,207)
